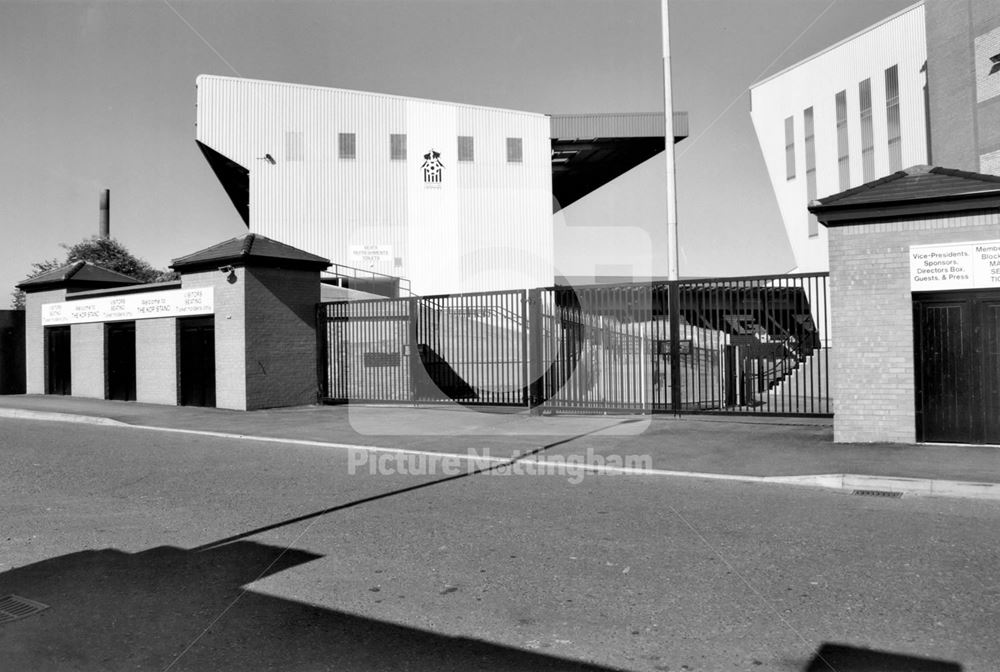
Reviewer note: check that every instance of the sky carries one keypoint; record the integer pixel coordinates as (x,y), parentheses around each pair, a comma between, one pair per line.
(101,94)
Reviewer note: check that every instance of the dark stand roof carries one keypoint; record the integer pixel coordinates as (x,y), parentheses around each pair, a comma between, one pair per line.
(78,275)
(235,179)
(919,190)
(251,249)
(590,150)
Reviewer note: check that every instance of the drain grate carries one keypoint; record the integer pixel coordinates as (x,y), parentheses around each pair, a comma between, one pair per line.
(878,493)
(14,607)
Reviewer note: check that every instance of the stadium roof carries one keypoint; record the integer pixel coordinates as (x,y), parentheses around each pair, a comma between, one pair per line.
(590,150)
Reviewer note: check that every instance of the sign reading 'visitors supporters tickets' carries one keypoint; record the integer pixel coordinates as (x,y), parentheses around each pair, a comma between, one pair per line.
(955,266)
(139,306)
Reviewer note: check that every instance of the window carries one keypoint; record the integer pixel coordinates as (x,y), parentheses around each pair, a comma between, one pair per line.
(810,142)
(347,146)
(843,149)
(466,148)
(294,146)
(867,135)
(397,147)
(514,154)
(892,118)
(790,148)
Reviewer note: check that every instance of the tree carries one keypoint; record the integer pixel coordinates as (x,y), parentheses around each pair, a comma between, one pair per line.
(105,252)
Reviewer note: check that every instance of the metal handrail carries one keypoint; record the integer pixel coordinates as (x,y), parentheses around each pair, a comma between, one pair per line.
(353,272)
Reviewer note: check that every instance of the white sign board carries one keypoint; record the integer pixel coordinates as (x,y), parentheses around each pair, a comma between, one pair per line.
(139,306)
(366,256)
(955,266)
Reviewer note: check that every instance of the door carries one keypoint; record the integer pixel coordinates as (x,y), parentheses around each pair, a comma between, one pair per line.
(957,366)
(58,374)
(197,361)
(121,360)
(989,371)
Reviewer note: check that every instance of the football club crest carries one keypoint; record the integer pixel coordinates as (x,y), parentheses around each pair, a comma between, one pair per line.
(432,168)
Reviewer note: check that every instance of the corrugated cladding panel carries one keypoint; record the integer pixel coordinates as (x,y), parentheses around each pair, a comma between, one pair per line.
(616,125)
(487,226)
(516,251)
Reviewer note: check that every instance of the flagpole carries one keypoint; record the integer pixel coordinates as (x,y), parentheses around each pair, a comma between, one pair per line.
(673,257)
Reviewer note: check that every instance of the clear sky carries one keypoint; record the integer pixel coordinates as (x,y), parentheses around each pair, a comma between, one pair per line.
(101,94)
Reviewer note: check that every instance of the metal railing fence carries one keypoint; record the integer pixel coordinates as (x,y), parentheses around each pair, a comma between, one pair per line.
(756,345)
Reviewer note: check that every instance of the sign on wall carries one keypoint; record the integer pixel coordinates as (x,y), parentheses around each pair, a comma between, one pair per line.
(145,305)
(367,256)
(955,266)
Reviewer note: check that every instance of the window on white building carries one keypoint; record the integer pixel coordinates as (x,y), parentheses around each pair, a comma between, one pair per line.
(397,147)
(867,134)
(810,142)
(347,146)
(514,154)
(466,148)
(843,149)
(789,148)
(892,118)
(294,146)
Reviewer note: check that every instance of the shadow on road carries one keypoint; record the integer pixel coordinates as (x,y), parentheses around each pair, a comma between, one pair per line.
(174,609)
(845,658)
(394,493)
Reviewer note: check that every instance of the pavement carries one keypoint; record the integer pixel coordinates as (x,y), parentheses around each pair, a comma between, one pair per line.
(797,451)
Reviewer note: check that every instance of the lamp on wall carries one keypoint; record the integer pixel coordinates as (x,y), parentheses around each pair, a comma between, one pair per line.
(268,158)
(231,278)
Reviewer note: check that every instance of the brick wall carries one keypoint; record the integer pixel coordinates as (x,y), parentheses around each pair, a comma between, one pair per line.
(951,82)
(156,361)
(872,321)
(34,338)
(230,343)
(87,360)
(280,337)
(265,342)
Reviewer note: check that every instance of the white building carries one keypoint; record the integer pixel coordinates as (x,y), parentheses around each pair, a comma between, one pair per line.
(848,115)
(451,197)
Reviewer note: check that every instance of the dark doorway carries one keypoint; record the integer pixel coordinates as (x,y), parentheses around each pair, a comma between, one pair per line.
(957,366)
(197,361)
(120,344)
(58,372)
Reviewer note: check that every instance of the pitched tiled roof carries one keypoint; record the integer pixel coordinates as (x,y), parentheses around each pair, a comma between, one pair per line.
(251,248)
(916,190)
(80,273)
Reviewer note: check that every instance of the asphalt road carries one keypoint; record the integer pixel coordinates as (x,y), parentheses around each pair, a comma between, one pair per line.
(142,544)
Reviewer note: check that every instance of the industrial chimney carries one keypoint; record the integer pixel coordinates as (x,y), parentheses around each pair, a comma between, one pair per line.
(105,231)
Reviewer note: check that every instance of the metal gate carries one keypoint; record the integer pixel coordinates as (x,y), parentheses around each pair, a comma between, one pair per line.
(735,345)
(469,348)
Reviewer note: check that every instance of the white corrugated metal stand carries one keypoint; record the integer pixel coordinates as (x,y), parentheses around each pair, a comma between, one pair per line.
(487,225)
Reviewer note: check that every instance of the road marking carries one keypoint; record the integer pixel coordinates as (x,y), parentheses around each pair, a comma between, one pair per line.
(910,486)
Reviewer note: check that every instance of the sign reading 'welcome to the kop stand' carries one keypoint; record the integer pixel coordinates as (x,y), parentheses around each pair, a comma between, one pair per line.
(140,306)
(955,266)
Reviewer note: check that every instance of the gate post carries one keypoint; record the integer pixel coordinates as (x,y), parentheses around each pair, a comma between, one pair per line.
(674,312)
(322,354)
(413,359)
(536,364)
